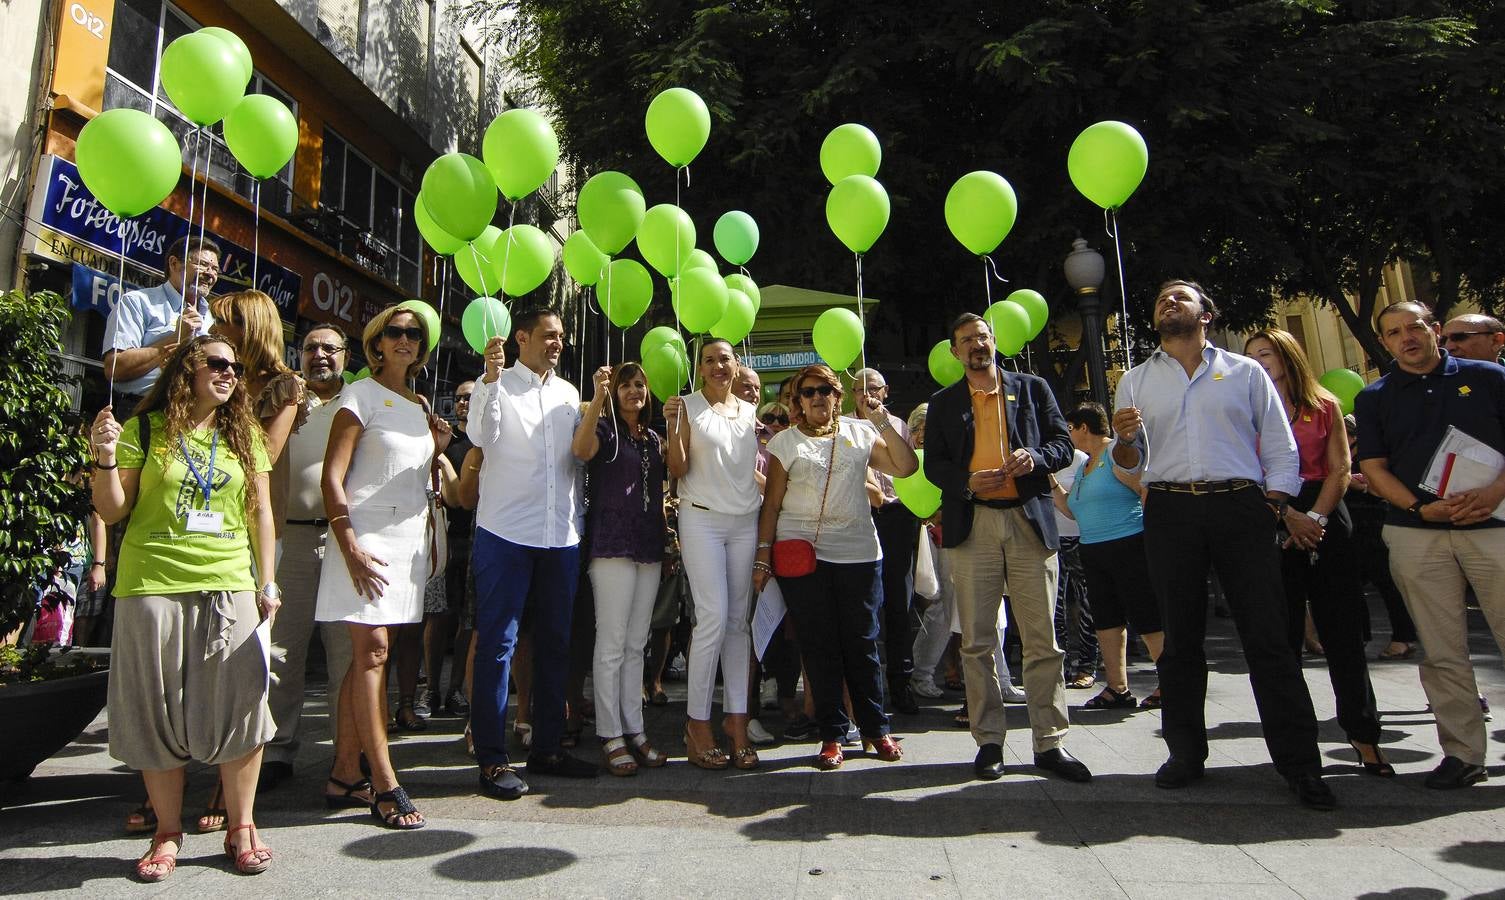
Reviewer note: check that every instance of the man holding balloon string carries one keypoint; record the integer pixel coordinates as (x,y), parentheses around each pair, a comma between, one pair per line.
(992,439)
(147,325)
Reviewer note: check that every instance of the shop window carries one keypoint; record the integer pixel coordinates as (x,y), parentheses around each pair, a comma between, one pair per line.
(369,219)
(142,28)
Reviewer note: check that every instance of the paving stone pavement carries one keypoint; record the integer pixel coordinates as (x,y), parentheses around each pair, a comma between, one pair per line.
(919,828)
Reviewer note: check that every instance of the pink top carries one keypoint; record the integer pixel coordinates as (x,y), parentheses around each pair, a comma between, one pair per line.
(1312,428)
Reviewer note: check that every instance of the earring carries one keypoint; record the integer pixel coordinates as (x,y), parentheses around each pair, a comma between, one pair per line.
(377,355)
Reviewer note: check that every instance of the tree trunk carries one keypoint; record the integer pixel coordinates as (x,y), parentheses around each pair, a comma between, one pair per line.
(1359,321)
(1446,270)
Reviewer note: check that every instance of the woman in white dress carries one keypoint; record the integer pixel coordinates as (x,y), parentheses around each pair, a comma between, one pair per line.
(713,451)
(376,475)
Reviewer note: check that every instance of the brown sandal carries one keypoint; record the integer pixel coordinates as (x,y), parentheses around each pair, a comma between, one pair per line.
(155,858)
(745,758)
(712,757)
(251,861)
(647,756)
(619,760)
(215,816)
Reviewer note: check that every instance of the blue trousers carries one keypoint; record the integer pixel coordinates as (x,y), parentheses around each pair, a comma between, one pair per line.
(508,578)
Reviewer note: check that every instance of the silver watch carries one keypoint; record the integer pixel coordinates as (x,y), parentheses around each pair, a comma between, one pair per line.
(1317,517)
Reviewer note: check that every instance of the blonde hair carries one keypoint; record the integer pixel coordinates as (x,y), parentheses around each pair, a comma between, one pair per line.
(1306,392)
(371,338)
(261,342)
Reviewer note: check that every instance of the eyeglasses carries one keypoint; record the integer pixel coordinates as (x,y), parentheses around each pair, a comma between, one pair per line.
(1457,337)
(220,364)
(326,349)
(770,419)
(872,388)
(825,390)
(414,333)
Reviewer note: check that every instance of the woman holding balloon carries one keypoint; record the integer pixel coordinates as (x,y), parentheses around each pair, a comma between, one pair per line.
(1318,564)
(713,450)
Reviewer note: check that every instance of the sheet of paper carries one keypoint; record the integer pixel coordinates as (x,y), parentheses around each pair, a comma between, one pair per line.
(767,617)
(1466,463)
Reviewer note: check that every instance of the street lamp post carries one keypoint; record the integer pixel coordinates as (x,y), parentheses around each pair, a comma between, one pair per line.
(1084,269)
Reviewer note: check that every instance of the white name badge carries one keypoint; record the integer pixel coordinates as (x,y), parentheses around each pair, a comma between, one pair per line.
(206,521)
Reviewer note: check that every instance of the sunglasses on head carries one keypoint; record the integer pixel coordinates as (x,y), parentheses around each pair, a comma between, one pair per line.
(772,418)
(1457,337)
(825,390)
(220,364)
(412,333)
(326,349)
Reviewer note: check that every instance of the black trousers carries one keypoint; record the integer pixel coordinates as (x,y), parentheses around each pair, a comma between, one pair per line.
(1331,585)
(835,610)
(1075,632)
(1234,533)
(898,530)
(1372,560)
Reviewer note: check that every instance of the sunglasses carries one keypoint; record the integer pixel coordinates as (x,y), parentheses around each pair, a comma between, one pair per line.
(326,349)
(770,419)
(1457,337)
(413,333)
(825,390)
(220,364)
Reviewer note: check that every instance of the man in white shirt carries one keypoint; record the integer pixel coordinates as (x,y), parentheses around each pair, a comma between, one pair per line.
(1207,433)
(527,546)
(144,327)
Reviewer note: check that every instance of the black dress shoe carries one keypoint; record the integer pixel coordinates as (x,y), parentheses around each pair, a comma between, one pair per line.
(502,782)
(1177,773)
(1455,773)
(1312,791)
(904,700)
(560,764)
(989,762)
(273,774)
(1063,764)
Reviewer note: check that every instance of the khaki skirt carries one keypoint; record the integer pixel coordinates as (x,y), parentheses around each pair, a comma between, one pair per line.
(188,680)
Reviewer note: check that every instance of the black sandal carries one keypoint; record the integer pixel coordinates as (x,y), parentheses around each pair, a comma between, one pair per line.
(1152,701)
(412,721)
(348,799)
(142,819)
(1111,699)
(402,806)
(213,811)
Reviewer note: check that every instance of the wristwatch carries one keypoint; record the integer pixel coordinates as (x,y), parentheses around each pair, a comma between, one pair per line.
(1317,517)
(1415,508)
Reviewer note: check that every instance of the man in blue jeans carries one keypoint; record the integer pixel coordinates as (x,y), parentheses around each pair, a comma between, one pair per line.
(527,546)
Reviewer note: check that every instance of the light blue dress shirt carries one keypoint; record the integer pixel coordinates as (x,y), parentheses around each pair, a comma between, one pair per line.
(143,317)
(1224,422)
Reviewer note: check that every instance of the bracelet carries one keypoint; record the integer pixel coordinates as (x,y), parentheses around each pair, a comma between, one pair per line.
(764,545)
(100,465)
(99,562)
(338,518)
(762,567)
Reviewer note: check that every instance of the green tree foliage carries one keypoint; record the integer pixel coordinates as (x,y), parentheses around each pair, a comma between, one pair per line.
(1296,146)
(42,453)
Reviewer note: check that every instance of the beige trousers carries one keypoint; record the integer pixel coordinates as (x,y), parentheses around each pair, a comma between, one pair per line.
(1431,567)
(1003,555)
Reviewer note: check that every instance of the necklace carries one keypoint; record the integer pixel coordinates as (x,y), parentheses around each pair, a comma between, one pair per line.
(822,431)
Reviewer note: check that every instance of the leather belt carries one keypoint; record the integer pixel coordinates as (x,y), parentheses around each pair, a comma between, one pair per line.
(1197,488)
(999,504)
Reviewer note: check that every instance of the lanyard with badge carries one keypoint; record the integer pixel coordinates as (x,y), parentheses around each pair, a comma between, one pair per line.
(204,520)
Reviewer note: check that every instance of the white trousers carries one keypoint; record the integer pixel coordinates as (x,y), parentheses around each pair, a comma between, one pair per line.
(624,591)
(718,551)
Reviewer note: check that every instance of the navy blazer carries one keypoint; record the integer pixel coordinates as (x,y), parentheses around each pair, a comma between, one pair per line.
(1034,423)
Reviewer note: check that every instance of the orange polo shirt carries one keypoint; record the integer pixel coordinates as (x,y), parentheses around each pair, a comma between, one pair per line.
(990,435)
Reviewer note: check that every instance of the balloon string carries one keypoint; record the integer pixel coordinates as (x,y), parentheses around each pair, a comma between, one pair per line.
(193,188)
(256,236)
(676,285)
(111,390)
(615,431)
(1111,216)
(861,318)
(987,284)
(204,206)
(434,386)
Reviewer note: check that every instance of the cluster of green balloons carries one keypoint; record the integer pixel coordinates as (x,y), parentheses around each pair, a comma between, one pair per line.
(1344,384)
(916,491)
(515,260)
(1107,162)
(980,211)
(1016,320)
(857,208)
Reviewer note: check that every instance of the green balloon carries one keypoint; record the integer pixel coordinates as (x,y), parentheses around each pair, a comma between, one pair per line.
(736,237)
(473,262)
(850,149)
(521,151)
(945,368)
(365,372)
(1010,324)
(659,335)
(980,211)
(916,492)
(442,242)
(460,195)
(738,281)
(699,299)
(667,368)
(699,259)
(203,77)
(347,376)
(1035,305)
(524,258)
(838,336)
(128,160)
(738,319)
(678,125)
(583,260)
(610,208)
(483,319)
(666,239)
(237,47)
(625,291)
(430,316)
(1107,161)
(1344,384)
(262,133)
(857,211)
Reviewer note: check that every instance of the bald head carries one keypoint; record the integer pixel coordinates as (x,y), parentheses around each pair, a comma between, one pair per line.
(747,385)
(1474,336)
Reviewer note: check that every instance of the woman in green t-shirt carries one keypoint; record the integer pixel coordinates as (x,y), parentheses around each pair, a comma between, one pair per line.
(188,673)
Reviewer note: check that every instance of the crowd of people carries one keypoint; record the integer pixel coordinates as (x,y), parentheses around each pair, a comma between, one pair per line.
(543,539)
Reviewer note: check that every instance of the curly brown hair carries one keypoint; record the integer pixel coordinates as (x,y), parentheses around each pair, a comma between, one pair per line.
(172,395)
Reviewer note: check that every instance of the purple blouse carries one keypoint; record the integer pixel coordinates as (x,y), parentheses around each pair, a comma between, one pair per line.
(625,512)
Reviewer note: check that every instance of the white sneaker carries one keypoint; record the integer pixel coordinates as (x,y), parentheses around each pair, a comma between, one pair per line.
(769,695)
(758,734)
(1012,694)
(853,737)
(925,688)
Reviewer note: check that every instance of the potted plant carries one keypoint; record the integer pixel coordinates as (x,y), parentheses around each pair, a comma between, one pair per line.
(46,695)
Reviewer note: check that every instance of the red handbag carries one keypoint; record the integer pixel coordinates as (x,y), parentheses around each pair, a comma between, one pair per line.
(795,557)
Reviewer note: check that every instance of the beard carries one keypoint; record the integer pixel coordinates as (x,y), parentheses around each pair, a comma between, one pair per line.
(328,376)
(1177,327)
